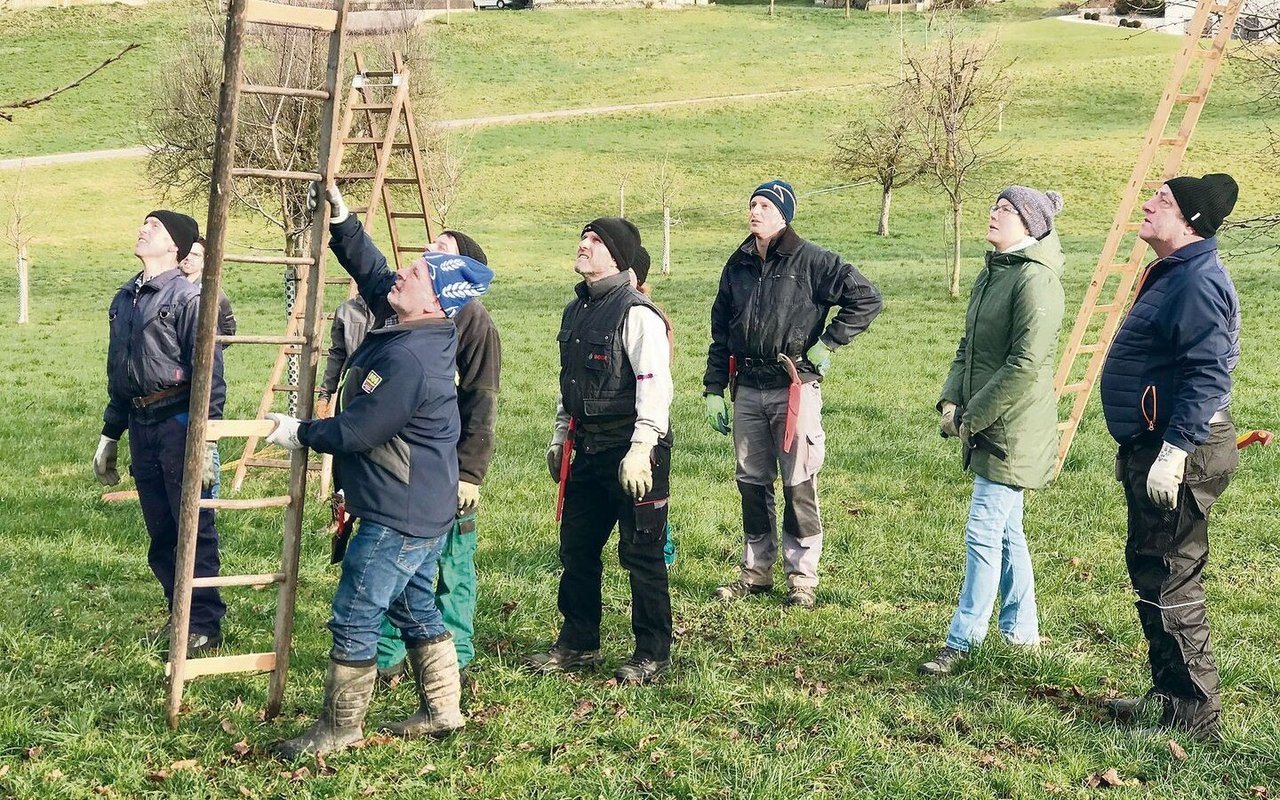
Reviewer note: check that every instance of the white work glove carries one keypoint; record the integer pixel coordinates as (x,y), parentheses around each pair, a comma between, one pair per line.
(468,497)
(104,461)
(635,473)
(285,434)
(209,473)
(554,455)
(337,208)
(949,425)
(1166,476)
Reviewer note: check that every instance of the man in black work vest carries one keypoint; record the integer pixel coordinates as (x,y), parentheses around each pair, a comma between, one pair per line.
(614,412)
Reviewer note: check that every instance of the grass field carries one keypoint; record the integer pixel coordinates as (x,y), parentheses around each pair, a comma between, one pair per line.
(762,702)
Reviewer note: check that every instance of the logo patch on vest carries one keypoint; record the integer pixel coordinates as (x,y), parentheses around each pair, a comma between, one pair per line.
(371,382)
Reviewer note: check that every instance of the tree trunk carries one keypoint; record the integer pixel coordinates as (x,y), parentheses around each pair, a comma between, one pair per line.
(622,198)
(955,249)
(885,199)
(666,239)
(846,9)
(771,8)
(24,286)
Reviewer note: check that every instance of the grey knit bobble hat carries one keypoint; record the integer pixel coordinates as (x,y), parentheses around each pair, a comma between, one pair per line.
(1036,208)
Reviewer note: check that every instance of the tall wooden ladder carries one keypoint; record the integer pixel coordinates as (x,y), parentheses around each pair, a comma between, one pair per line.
(304,338)
(1107,297)
(386,126)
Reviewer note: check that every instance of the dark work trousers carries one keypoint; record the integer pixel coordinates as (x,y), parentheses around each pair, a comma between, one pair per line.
(1166,552)
(593,502)
(156,452)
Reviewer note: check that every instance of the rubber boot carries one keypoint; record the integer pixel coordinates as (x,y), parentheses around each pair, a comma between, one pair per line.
(347,691)
(435,671)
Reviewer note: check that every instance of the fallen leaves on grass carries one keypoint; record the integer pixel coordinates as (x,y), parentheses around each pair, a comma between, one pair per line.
(297,776)
(158,776)
(322,768)
(4,770)
(228,727)
(186,763)
(508,608)
(54,775)
(1259,792)
(1177,750)
(583,708)
(814,688)
(427,769)
(104,791)
(245,791)
(241,748)
(960,724)
(989,761)
(373,741)
(1109,779)
(32,753)
(487,713)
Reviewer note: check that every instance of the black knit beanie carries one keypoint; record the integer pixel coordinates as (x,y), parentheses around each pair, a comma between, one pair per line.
(641,267)
(623,241)
(182,229)
(469,247)
(1205,202)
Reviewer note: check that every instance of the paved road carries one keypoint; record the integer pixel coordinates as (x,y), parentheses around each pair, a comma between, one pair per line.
(470,122)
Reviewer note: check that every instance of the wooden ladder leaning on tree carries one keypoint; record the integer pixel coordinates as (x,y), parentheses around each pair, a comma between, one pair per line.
(360,128)
(305,339)
(1101,311)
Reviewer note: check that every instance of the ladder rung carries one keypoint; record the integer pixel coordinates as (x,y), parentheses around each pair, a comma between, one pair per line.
(277,463)
(246,505)
(378,73)
(337,281)
(317,19)
(1172,141)
(247,259)
(237,428)
(355,176)
(284,387)
(256,339)
(1062,426)
(1197,97)
(1073,388)
(410,249)
(359,210)
(408,214)
(1118,267)
(371,140)
(285,91)
(371,107)
(1152,184)
(1089,348)
(239,580)
(216,665)
(1106,308)
(279,174)
(1219,8)
(1132,226)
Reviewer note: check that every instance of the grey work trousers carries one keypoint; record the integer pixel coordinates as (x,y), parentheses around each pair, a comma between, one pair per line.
(759,422)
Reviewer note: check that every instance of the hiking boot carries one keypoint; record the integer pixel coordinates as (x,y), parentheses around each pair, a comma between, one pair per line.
(347,691)
(1158,713)
(201,643)
(390,677)
(561,659)
(802,597)
(640,671)
(435,674)
(740,589)
(943,662)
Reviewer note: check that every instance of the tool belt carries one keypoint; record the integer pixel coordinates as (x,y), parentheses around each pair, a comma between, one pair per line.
(155,397)
(765,373)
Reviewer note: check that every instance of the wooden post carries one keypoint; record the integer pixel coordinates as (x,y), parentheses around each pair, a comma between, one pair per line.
(666,239)
(24,285)
(846,9)
(771,8)
(220,193)
(1000,118)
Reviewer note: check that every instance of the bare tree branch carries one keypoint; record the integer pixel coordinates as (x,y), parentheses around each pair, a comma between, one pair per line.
(35,101)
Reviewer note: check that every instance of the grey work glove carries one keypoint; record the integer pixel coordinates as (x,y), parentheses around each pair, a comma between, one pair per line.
(104,461)
(948,426)
(285,434)
(964,432)
(337,208)
(1165,476)
(635,473)
(209,474)
(554,454)
(468,497)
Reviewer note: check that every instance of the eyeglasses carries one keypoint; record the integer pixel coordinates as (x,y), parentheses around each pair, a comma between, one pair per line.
(998,209)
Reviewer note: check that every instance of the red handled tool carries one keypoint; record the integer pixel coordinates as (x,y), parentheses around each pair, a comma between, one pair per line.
(565,455)
(793,403)
(1254,437)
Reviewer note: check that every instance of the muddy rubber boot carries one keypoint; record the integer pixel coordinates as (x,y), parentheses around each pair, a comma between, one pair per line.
(435,671)
(347,691)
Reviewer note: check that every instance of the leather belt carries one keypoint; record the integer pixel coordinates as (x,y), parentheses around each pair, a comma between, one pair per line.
(156,397)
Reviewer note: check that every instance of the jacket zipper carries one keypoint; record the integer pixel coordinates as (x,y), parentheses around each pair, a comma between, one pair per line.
(1150,418)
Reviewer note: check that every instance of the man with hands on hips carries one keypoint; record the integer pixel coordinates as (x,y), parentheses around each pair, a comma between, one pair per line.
(615,386)
(394,438)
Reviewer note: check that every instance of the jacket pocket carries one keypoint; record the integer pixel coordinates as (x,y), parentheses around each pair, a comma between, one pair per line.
(393,457)
(599,351)
(649,518)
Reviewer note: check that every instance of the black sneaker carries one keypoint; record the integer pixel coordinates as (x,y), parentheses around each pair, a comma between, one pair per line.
(943,662)
(561,659)
(802,597)
(740,589)
(201,643)
(640,671)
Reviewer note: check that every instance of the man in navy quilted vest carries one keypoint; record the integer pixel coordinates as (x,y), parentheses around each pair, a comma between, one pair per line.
(1166,391)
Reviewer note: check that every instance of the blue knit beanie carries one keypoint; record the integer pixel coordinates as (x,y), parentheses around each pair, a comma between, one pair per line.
(457,279)
(781,195)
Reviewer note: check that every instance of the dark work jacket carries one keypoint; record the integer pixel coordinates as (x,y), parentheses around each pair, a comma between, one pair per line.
(479,364)
(597,383)
(395,433)
(1169,368)
(781,306)
(151,348)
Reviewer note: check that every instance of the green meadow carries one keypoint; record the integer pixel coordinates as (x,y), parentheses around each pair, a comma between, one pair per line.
(762,701)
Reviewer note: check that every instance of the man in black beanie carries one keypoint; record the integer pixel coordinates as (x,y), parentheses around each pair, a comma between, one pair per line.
(150,354)
(1166,392)
(614,412)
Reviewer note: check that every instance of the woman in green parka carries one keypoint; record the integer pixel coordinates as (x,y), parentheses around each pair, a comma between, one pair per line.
(999,401)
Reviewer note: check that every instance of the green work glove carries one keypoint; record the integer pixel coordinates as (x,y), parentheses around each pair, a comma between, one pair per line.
(717,413)
(820,357)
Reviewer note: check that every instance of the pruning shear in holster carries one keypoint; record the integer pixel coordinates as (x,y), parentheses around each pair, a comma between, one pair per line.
(566,458)
(343,523)
(793,402)
(979,440)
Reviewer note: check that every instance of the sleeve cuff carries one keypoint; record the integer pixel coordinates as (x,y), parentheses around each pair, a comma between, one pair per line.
(113,432)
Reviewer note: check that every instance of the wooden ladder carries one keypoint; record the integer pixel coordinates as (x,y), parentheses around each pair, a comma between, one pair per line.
(1108,294)
(397,135)
(305,337)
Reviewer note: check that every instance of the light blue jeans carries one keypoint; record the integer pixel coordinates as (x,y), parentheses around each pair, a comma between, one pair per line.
(997,561)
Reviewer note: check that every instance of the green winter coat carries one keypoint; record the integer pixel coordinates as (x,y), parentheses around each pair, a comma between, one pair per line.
(1002,375)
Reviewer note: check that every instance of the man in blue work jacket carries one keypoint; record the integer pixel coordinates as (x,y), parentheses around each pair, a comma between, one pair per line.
(150,354)
(1166,391)
(394,438)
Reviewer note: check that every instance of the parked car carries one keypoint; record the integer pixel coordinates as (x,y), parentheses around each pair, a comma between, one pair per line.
(500,4)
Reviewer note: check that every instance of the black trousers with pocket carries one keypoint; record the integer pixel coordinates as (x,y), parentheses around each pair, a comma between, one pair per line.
(1166,552)
(593,503)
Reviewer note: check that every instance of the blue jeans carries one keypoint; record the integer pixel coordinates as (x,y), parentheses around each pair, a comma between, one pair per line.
(997,560)
(384,572)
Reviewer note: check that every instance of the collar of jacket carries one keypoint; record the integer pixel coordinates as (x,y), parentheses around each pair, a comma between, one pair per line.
(417,324)
(784,244)
(156,283)
(594,291)
(1188,252)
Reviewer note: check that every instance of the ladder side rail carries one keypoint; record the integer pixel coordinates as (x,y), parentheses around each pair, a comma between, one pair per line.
(415,152)
(264,403)
(384,153)
(220,192)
